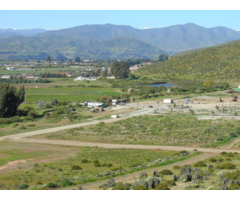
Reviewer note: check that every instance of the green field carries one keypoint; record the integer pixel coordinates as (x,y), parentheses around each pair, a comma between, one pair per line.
(68,93)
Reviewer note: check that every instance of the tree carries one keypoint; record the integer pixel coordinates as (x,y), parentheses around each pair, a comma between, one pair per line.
(120,71)
(48,59)
(77,59)
(10,99)
(103,74)
(163,57)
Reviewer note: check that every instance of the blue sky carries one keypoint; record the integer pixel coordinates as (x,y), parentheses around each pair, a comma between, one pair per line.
(136,18)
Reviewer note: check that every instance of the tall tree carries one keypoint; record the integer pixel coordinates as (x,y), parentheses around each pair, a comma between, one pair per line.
(77,59)
(48,59)
(10,99)
(120,71)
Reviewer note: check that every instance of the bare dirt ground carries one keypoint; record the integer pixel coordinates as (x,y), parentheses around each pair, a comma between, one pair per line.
(12,163)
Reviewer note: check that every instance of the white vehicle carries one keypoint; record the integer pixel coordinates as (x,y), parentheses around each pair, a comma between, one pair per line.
(114,102)
(115,116)
(167,101)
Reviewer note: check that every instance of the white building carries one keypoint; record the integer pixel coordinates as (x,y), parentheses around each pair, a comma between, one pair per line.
(6,76)
(11,68)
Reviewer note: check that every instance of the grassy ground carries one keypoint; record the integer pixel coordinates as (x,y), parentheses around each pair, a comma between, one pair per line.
(207,178)
(54,162)
(179,130)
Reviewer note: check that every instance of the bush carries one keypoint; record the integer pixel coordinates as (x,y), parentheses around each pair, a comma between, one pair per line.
(31,125)
(107,165)
(166,172)
(200,164)
(220,160)
(35,165)
(226,166)
(60,169)
(121,186)
(162,186)
(76,167)
(176,167)
(39,183)
(85,161)
(22,127)
(97,164)
(51,185)
(63,103)
(54,102)
(171,182)
(139,187)
(95,161)
(48,105)
(212,159)
(23,187)
(71,116)
(66,182)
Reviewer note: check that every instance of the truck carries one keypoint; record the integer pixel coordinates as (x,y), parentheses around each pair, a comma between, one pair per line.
(114,102)
(167,101)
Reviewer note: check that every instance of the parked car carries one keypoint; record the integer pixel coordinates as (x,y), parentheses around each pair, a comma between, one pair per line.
(122,104)
(150,106)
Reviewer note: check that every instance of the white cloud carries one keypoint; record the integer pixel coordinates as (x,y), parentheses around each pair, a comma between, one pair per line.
(237,30)
(147,28)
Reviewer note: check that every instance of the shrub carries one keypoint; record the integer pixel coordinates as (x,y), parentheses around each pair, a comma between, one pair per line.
(223,153)
(39,183)
(31,125)
(71,116)
(234,186)
(22,127)
(207,83)
(97,164)
(85,161)
(166,172)
(200,164)
(226,166)
(23,187)
(35,165)
(54,102)
(63,103)
(66,182)
(176,167)
(107,165)
(121,186)
(48,105)
(76,167)
(51,185)
(139,187)
(95,161)
(171,182)
(60,169)
(212,159)
(220,160)
(162,186)
(38,170)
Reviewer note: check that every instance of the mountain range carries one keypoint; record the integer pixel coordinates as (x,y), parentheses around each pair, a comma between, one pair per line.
(112,41)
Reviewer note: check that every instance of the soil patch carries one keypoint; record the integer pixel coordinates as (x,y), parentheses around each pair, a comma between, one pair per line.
(12,163)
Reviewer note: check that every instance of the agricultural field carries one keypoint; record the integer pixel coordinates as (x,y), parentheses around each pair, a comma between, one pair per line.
(216,173)
(78,93)
(36,166)
(170,130)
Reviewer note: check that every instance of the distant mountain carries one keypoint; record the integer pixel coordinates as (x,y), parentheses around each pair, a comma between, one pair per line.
(6,33)
(113,41)
(175,38)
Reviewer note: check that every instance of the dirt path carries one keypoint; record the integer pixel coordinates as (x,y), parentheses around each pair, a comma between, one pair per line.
(12,163)
(121,146)
(130,178)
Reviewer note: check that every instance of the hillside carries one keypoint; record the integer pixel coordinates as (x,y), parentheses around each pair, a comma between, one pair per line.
(7,33)
(116,48)
(221,62)
(175,38)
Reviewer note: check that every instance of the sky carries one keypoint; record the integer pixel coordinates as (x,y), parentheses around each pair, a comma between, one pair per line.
(58,19)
